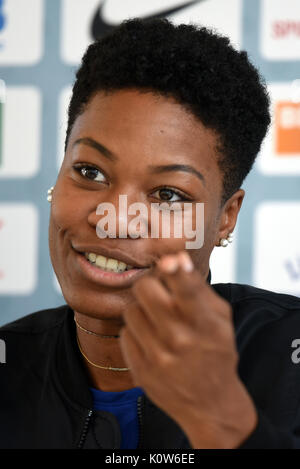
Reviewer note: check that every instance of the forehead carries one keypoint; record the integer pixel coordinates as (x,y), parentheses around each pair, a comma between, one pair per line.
(144,126)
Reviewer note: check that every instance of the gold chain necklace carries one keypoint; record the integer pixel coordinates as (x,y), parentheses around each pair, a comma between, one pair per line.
(94,333)
(111,368)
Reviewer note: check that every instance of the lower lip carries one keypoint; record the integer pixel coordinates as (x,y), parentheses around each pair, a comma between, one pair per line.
(110,279)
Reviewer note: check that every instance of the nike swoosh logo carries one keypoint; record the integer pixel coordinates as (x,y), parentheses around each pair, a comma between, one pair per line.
(100,27)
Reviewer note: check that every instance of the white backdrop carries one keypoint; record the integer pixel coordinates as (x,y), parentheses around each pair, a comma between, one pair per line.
(41,43)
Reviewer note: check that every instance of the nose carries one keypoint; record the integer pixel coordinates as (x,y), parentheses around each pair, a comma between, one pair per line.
(120,218)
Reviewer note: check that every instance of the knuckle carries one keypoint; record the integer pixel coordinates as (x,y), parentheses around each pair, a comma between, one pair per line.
(180,340)
(169,303)
(160,358)
(153,355)
(165,360)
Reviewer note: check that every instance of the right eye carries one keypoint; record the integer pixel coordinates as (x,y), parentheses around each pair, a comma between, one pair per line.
(90,172)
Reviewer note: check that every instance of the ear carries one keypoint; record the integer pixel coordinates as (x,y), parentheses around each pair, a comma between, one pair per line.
(229,215)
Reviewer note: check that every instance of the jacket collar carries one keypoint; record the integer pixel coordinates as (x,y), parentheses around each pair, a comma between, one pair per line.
(70,369)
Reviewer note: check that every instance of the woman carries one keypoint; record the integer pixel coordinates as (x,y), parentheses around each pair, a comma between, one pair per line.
(146,353)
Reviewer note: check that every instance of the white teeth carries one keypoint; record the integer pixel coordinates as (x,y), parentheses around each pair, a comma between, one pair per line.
(108,264)
(101,261)
(122,266)
(112,264)
(92,257)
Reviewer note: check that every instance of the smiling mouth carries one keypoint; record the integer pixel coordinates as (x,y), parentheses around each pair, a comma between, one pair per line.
(107,271)
(107,264)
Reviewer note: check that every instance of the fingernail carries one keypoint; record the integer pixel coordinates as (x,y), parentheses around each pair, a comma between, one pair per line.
(185,261)
(169,264)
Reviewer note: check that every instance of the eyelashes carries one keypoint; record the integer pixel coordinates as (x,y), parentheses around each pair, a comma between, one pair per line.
(182,198)
(90,172)
(94,174)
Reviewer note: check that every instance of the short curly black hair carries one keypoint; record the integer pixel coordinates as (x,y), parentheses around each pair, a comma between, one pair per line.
(192,64)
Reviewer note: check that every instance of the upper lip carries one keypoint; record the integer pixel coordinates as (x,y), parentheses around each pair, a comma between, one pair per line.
(112,253)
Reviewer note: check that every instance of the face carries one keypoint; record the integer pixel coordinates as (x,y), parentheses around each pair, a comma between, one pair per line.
(152,150)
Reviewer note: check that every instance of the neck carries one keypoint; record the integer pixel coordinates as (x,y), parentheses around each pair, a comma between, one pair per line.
(104,352)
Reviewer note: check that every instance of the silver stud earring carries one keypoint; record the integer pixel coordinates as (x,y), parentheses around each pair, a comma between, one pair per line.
(49,192)
(225,241)
(230,237)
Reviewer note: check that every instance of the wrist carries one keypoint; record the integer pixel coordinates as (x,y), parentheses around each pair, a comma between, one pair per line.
(226,430)
(219,436)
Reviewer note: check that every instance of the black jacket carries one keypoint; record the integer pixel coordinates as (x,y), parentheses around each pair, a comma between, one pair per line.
(45,400)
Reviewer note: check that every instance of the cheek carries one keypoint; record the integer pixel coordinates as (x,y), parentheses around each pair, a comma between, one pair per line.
(69,208)
(173,244)
(64,216)
(68,218)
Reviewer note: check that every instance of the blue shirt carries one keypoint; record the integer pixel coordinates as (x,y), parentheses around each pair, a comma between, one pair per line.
(123,405)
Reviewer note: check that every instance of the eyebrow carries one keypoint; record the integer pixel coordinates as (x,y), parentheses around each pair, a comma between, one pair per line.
(177,167)
(98,146)
(153,169)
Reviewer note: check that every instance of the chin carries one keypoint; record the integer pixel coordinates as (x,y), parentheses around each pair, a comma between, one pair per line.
(100,305)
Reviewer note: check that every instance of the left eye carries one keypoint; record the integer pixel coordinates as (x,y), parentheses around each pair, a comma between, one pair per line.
(92,173)
(166,195)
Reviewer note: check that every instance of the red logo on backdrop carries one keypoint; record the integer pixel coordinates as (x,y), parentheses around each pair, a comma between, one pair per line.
(283,29)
